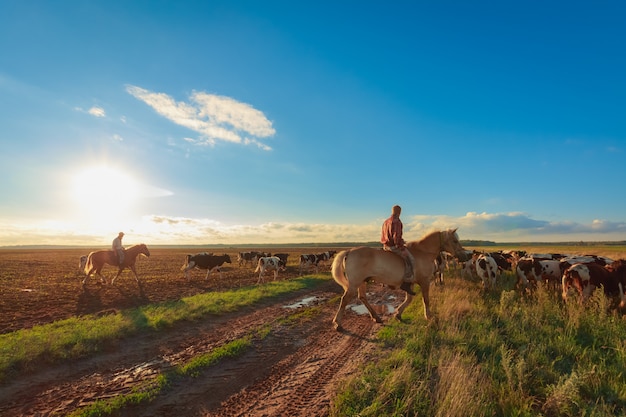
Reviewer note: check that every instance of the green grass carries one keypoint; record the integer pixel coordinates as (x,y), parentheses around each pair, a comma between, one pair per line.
(81,336)
(495,354)
(150,390)
(193,368)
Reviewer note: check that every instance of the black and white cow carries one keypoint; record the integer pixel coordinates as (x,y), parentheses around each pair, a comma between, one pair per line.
(206,261)
(269,263)
(243,258)
(283,257)
(310,260)
(487,270)
(326,256)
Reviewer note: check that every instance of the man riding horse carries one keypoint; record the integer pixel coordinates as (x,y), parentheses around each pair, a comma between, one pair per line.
(392,241)
(118,249)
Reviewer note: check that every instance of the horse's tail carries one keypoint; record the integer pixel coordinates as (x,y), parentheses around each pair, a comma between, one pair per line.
(89,264)
(339,269)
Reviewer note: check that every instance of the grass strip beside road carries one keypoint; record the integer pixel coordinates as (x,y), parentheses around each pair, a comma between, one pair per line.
(81,336)
(193,367)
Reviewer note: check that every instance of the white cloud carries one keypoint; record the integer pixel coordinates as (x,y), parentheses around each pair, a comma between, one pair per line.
(97,111)
(215,118)
(515,226)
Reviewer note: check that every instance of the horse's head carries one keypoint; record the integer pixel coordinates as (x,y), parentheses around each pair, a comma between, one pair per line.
(450,243)
(143,249)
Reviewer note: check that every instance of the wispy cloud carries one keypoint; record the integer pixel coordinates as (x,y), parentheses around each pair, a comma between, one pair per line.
(215,118)
(517,226)
(95,111)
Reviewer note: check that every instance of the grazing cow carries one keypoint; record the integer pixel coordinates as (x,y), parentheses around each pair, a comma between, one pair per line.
(551,271)
(283,257)
(309,260)
(243,258)
(326,256)
(504,261)
(82,262)
(442,263)
(585,278)
(206,261)
(487,270)
(468,269)
(269,263)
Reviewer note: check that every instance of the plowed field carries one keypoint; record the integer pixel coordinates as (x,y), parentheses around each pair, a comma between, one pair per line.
(294,371)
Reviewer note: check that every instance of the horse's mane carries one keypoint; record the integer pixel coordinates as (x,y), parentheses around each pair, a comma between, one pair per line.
(414,243)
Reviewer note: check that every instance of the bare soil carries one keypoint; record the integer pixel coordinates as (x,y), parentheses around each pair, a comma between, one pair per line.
(292,372)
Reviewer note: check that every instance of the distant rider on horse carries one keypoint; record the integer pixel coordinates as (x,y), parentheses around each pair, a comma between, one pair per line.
(118,249)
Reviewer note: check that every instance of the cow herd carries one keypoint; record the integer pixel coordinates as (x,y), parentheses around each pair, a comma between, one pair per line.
(565,273)
(264,262)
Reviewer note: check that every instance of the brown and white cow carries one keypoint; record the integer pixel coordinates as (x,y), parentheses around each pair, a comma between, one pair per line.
(585,278)
(269,263)
(206,261)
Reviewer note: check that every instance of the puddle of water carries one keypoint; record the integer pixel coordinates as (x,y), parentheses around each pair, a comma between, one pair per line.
(304,302)
(378,308)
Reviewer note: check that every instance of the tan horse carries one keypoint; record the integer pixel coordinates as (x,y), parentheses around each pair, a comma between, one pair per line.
(97,259)
(353,268)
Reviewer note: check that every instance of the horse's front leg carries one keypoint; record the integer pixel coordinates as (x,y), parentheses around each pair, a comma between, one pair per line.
(348,296)
(407,300)
(363,297)
(426,300)
(119,272)
(132,268)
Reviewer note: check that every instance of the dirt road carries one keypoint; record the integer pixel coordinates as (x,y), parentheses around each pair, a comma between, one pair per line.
(293,370)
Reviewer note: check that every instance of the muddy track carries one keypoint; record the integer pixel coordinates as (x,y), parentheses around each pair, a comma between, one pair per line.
(290,372)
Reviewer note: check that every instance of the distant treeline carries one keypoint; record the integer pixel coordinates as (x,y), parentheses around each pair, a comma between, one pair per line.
(513,244)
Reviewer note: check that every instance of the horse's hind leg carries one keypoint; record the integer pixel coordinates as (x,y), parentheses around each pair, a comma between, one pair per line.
(362,296)
(119,272)
(348,296)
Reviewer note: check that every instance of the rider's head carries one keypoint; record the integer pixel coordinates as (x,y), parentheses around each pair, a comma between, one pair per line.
(120,235)
(395,210)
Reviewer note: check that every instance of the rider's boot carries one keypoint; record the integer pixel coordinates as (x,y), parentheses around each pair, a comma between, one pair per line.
(407,286)
(408,279)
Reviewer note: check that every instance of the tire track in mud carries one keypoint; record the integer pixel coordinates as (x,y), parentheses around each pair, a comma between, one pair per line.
(287,373)
(304,383)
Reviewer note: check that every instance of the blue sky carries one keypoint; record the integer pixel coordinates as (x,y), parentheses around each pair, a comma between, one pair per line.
(183,122)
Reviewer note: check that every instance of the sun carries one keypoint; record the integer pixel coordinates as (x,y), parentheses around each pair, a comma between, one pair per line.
(104,193)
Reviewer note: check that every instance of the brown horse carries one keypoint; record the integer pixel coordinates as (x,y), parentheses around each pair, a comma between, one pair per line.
(353,268)
(97,259)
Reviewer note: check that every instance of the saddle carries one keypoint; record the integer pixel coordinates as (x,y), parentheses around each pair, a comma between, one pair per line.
(408,269)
